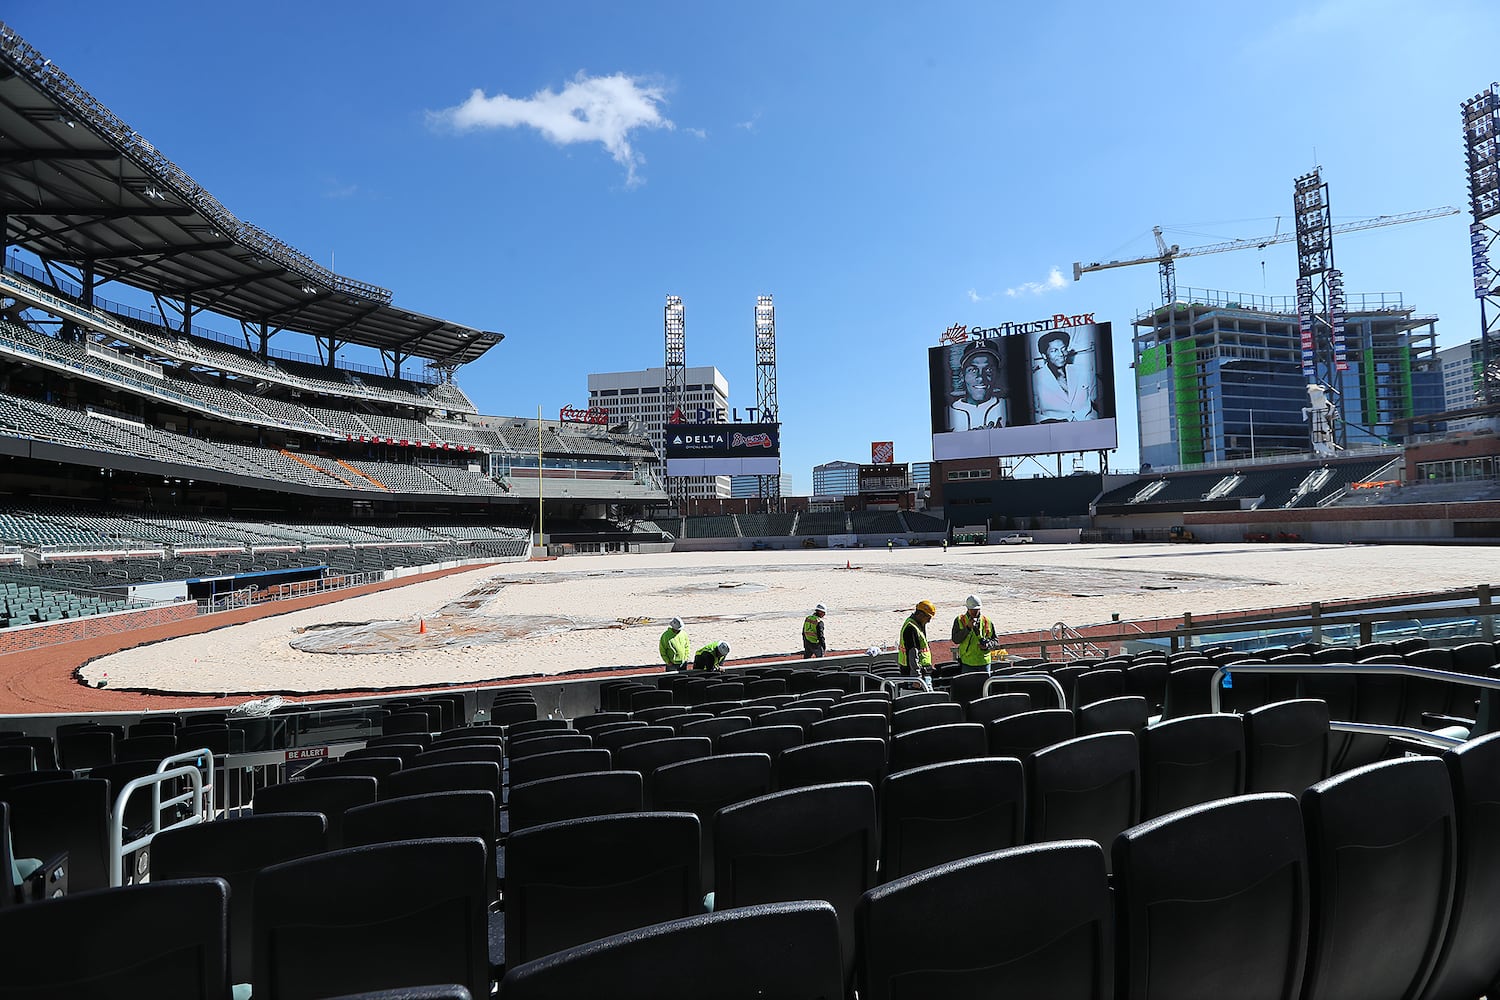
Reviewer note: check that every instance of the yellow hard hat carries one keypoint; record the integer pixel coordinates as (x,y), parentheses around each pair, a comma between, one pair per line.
(927,608)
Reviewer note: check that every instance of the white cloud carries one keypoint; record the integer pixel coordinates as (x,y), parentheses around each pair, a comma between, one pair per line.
(1053,282)
(749,124)
(974,296)
(602,109)
(697,133)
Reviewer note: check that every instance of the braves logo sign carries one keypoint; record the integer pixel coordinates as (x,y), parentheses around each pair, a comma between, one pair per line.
(751,441)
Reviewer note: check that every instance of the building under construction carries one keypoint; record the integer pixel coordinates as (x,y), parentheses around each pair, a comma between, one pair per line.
(1219,377)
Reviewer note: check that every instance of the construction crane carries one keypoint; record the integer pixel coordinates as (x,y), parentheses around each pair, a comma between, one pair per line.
(1166,254)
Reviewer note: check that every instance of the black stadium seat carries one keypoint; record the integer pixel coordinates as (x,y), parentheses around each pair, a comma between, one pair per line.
(166,939)
(1190,760)
(371,924)
(1026,922)
(574,796)
(582,879)
(943,812)
(1087,787)
(1212,901)
(786,950)
(1382,844)
(705,785)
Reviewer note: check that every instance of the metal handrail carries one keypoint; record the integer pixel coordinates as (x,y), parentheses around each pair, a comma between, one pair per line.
(117,847)
(1388,669)
(1062,698)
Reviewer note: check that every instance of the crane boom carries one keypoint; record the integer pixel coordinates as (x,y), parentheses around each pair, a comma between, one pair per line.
(1167,253)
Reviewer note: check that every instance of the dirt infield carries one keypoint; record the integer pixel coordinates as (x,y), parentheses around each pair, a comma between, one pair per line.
(511,622)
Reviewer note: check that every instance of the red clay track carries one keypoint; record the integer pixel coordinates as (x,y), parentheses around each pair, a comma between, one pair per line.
(41,681)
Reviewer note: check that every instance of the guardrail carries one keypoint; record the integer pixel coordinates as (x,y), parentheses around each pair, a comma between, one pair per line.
(200,794)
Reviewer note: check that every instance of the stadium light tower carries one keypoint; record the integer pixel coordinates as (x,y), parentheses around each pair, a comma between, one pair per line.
(1481,118)
(674,326)
(768,487)
(1321,304)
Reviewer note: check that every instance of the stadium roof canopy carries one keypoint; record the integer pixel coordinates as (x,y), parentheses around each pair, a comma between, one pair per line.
(80,187)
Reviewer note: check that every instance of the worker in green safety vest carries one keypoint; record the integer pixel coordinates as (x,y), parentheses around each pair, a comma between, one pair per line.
(973,637)
(711,656)
(814,644)
(674,646)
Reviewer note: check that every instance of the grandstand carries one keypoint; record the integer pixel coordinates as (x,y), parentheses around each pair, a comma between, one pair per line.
(145,445)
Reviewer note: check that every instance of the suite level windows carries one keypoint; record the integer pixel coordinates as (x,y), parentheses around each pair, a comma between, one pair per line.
(957,474)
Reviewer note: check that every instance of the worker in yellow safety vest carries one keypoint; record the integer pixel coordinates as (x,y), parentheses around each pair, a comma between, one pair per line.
(973,637)
(674,646)
(814,643)
(912,652)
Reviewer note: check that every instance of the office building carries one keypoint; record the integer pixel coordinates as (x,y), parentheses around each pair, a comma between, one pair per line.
(835,479)
(1219,376)
(639,398)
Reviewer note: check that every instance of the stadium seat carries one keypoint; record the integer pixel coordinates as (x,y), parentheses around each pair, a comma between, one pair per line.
(486,751)
(1212,901)
(659,714)
(647,757)
(842,727)
(474,775)
(713,954)
(515,730)
(167,939)
(1286,746)
(450,991)
(997,706)
(937,744)
(1126,713)
(1337,691)
(831,761)
(1084,788)
(906,720)
(943,812)
(558,763)
(715,726)
(1191,760)
(1026,922)
(81,749)
(1382,845)
(912,698)
(516,711)
(585,723)
(372,925)
(50,817)
(624,737)
(1149,680)
(1024,734)
(235,850)
(18,758)
(767,739)
(704,786)
(1098,685)
(424,817)
(1188,691)
(330,796)
(792,716)
(817,842)
(402,751)
(1469,964)
(583,879)
(378,768)
(574,796)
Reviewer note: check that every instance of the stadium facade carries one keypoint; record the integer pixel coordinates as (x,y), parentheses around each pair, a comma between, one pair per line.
(1219,376)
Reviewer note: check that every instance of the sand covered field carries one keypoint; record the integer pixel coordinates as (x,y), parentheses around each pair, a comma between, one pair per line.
(584,611)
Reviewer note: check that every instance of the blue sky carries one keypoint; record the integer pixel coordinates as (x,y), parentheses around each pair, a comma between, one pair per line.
(553,171)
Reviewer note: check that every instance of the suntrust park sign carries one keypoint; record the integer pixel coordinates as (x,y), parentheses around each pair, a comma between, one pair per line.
(958,332)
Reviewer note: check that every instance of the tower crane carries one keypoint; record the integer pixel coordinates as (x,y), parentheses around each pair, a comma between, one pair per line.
(1167,254)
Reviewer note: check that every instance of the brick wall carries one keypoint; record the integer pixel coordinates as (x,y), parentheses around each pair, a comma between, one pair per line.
(25,637)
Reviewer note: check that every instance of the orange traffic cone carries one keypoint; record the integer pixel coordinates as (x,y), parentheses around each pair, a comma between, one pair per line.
(846,564)
(421,626)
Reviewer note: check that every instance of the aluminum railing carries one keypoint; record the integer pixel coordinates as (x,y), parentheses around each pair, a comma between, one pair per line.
(200,795)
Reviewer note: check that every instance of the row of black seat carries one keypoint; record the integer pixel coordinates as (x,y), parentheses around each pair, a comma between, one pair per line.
(1378,884)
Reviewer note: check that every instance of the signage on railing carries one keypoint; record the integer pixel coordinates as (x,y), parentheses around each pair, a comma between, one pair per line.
(306,753)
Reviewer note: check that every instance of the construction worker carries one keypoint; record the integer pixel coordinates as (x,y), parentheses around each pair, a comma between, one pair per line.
(973,637)
(912,653)
(674,646)
(814,643)
(711,656)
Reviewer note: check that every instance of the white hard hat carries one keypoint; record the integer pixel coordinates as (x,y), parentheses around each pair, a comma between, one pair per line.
(723,649)
(971,602)
(676,624)
(820,608)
